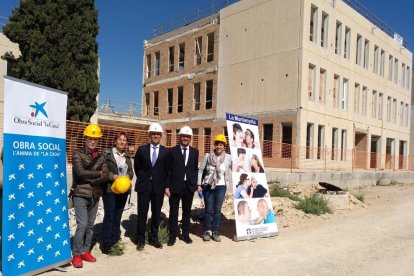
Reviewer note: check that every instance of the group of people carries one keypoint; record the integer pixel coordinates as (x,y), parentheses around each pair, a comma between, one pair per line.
(160,172)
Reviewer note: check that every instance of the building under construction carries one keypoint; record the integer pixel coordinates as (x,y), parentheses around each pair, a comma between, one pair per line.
(328,81)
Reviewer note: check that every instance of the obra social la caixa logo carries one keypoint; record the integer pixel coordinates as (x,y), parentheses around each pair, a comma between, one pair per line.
(38,108)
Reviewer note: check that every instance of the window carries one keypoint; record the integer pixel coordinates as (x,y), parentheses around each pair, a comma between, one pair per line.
(147,103)
(168,138)
(380,106)
(156,100)
(408,78)
(338,38)
(343,145)
(364,100)
(403,75)
(374,104)
(322,85)
(335,93)
(267,140)
(357,97)
(324,30)
(321,142)
(148,67)
(311,82)
(207,139)
(334,144)
(395,70)
(195,138)
(402,114)
(181,57)
(157,64)
(198,47)
(180,99)
(286,146)
(394,111)
(313,23)
(170,92)
(177,139)
(366,54)
(382,63)
(209,94)
(390,67)
(347,47)
(376,59)
(171,59)
(406,115)
(358,50)
(210,47)
(345,91)
(197,96)
(309,140)
(389,109)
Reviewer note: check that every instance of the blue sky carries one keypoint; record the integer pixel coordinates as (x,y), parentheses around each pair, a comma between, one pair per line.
(125,24)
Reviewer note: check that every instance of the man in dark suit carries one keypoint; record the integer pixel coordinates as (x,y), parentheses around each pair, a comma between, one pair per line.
(151,169)
(182,183)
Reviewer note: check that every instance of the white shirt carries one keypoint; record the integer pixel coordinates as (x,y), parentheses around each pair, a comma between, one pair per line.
(186,158)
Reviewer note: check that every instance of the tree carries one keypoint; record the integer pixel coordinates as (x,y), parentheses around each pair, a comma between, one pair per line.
(57,40)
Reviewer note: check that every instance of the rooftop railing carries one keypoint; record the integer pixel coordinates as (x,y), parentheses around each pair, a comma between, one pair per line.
(202,12)
(370,16)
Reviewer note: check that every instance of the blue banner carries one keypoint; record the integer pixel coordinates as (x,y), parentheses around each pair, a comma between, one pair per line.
(35,234)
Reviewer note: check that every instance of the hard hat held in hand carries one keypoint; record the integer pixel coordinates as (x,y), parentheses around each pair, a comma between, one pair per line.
(121,185)
(186,130)
(155,127)
(220,138)
(93,131)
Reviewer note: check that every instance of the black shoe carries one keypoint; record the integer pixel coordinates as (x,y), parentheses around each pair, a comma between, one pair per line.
(140,246)
(106,247)
(187,239)
(171,242)
(156,244)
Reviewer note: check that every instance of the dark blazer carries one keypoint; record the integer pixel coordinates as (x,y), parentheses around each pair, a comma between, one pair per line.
(144,170)
(177,169)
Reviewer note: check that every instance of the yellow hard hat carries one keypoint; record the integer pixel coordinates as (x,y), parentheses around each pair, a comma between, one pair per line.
(121,185)
(93,130)
(220,138)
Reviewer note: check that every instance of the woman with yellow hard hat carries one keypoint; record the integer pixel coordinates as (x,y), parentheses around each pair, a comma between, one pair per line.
(90,174)
(116,193)
(214,174)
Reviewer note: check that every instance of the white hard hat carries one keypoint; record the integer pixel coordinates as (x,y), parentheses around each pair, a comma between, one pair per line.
(155,127)
(186,130)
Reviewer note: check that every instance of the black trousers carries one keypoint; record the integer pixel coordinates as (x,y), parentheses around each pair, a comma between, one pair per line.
(186,196)
(144,200)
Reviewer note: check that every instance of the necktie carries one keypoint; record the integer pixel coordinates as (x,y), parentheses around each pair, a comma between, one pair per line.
(184,154)
(154,156)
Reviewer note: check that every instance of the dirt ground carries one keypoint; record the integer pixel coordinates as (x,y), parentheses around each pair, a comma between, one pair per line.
(375,238)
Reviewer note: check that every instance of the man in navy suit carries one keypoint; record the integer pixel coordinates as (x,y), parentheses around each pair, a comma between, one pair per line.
(182,183)
(151,169)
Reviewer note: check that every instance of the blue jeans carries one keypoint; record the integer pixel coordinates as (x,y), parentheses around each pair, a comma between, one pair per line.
(114,205)
(213,200)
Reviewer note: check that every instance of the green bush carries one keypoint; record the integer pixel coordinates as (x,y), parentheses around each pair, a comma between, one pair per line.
(279,192)
(315,204)
(360,197)
(163,235)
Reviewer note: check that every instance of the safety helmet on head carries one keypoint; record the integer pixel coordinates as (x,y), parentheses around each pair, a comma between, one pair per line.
(121,185)
(220,138)
(155,127)
(186,130)
(93,130)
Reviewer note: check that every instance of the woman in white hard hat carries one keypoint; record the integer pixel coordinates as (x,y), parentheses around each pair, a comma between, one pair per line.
(214,173)
(119,164)
(90,174)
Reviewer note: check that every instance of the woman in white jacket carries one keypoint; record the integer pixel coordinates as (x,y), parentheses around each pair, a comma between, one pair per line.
(213,175)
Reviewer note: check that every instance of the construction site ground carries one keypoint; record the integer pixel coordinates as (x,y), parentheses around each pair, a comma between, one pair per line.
(371,238)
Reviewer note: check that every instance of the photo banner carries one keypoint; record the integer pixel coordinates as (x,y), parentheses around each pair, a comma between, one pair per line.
(253,209)
(35,234)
